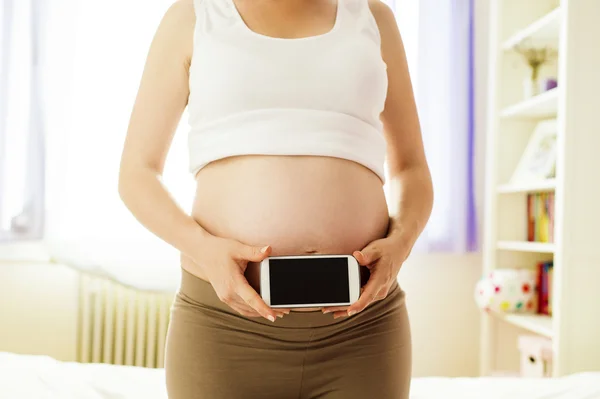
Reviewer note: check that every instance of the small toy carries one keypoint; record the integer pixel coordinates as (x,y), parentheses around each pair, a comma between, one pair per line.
(508,291)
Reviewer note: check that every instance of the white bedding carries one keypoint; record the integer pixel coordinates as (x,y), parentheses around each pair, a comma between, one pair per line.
(39,377)
(578,386)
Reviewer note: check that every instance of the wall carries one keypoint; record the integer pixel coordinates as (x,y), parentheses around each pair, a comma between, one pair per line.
(38,309)
(445,321)
(38,302)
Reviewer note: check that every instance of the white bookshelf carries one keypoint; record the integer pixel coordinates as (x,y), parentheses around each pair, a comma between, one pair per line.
(535,187)
(538,324)
(542,105)
(572,28)
(544,30)
(526,246)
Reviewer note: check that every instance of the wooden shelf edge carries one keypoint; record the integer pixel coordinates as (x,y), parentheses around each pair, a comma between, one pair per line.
(535,323)
(528,107)
(553,17)
(526,246)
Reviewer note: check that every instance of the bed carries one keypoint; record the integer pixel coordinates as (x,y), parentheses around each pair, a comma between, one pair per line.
(40,377)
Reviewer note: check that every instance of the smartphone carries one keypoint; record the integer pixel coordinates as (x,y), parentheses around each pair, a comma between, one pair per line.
(309,281)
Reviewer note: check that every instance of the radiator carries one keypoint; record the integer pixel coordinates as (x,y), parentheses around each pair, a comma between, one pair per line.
(121,325)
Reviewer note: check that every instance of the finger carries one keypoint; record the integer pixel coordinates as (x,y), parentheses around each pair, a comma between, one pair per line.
(338,315)
(252,313)
(245,310)
(368,255)
(383,293)
(379,297)
(242,308)
(280,312)
(334,309)
(339,309)
(253,254)
(374,285)
(252,299)
(246,313)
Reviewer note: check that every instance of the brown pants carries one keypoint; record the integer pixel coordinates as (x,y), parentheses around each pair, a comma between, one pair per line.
(215,353)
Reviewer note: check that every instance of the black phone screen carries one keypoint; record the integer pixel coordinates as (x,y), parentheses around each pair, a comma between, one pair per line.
(309,281)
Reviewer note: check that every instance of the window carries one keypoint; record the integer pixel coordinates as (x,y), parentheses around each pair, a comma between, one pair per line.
(21,136)
(86,120)
(96,60)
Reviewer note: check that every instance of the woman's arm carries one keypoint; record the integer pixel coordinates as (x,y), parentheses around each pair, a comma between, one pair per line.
(410,179)
(162,98)
(159,105)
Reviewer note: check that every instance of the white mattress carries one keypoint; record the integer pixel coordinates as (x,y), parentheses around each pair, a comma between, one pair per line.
(39,377)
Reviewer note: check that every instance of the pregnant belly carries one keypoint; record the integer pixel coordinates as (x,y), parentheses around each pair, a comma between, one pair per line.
(299,205)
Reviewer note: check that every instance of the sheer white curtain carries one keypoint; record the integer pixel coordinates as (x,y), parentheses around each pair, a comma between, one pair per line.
(438,37)
(95,55)
(21,120)
(445,99)
(98,53)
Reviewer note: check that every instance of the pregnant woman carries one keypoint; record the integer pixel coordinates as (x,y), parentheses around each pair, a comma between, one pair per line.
(294,107)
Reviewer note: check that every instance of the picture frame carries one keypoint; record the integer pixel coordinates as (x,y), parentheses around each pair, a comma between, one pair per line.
(538,161)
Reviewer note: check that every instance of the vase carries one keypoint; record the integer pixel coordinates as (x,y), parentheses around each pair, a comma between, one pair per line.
(531,88)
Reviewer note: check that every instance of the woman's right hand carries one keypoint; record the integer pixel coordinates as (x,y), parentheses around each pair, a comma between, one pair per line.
(224,261)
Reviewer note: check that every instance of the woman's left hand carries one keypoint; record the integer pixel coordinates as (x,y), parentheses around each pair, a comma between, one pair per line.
(384,258)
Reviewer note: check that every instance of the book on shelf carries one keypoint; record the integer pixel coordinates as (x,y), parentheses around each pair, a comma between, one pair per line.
(544,283)
(540,217)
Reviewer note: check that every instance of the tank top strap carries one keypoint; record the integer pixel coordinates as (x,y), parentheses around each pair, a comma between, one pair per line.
(213,15)
(357,16)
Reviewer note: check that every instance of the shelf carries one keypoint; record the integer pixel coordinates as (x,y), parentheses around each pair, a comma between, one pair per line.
(535,187)
(526,246)
(543,32)
(539,324)
(540,106)
(513,117)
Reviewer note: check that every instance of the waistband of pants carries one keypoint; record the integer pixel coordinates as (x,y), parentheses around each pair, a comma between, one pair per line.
(201,293)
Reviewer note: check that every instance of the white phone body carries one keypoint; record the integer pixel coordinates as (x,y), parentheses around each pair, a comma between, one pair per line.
(352,267)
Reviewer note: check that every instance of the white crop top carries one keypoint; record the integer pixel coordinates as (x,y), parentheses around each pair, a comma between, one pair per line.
(252,94)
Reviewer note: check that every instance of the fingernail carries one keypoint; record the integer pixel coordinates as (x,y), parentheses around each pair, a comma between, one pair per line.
(351,313)
(264,249)
(271,318)
(326,311)
(280,315)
